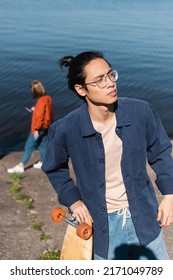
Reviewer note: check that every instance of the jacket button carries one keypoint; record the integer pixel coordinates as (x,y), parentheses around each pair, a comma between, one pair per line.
(103,209)
(97,136)
(102,185)
(104,231)
(101,160)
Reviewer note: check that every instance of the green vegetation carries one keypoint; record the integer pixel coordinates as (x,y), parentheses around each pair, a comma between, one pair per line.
(50,255)
(37,225)
(16,178)
(15,190)
(45,237)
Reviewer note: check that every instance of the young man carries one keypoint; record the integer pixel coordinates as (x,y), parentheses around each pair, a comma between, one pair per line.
(109,140)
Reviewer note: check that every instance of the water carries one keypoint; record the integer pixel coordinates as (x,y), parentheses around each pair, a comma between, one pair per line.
(135,36)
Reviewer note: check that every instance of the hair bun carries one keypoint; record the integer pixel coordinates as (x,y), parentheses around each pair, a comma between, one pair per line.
(65,61)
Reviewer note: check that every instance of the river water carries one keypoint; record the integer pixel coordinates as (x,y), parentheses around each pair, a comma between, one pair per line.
(135,36)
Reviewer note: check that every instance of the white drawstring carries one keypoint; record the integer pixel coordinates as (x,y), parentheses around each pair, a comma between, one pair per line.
(126,215)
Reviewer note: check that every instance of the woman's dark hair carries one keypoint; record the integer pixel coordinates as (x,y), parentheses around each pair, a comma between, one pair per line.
(37,89)
(76,73)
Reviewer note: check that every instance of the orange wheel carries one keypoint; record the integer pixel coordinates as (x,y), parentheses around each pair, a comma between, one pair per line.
(56,215)
(84,231)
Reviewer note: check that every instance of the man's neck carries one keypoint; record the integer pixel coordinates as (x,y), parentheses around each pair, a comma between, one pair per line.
(102,114)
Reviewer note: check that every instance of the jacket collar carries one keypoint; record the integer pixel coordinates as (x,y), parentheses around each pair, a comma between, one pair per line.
(85,120)
(122,114)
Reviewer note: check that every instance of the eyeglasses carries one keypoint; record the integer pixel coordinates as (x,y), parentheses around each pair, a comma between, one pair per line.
(101,82)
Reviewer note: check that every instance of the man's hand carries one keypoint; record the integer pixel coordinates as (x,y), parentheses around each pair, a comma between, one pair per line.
(81,212)
(165,211)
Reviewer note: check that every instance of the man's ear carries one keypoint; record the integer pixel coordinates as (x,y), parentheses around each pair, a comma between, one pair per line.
(80,90)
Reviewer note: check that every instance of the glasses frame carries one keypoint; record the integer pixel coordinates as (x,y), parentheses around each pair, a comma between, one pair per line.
(105,76)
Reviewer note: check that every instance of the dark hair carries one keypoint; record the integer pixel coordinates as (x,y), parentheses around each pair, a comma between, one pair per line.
(37,89)
(76,73)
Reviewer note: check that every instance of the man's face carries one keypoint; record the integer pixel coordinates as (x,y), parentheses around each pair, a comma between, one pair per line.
(96,71)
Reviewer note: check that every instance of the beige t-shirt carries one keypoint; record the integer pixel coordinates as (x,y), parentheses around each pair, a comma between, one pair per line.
(116,197)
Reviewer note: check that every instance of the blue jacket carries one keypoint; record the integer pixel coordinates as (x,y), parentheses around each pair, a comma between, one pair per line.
(143,139)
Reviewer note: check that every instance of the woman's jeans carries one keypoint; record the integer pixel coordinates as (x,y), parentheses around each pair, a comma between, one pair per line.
(32,144)
(124,243)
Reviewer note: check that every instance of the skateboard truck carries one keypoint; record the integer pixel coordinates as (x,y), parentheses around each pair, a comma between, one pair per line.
(83,230)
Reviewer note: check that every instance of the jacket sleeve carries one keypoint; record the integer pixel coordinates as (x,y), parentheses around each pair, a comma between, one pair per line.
(39,114)
(55,165)
(159,150)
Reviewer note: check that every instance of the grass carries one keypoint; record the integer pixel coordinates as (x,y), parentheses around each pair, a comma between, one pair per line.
(16,178)
(50,255)
(44,236)
(37,225)
(15,190)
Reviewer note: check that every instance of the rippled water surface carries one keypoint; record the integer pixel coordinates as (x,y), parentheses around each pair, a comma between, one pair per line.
(135,36)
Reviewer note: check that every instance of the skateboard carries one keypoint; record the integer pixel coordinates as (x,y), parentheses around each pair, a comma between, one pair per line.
(77,243)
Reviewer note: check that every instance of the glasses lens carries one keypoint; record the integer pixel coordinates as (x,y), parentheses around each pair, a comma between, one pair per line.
(101,82)
(113,76)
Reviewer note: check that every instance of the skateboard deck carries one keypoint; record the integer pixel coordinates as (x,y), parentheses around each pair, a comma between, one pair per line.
(74,247)
(78,240)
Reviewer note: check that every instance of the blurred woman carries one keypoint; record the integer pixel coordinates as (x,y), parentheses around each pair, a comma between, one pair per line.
(42,117)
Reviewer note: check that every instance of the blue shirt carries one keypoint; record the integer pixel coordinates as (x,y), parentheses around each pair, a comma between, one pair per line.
(143,138)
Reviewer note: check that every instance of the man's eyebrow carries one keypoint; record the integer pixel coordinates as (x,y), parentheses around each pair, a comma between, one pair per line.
(102,75)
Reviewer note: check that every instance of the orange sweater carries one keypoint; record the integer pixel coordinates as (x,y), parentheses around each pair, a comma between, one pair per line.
(42,116)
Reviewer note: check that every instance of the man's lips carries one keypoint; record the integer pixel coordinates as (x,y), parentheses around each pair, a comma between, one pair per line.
(112,93)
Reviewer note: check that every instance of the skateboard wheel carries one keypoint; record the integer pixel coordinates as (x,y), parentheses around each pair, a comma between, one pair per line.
(84,231)
(57,215)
